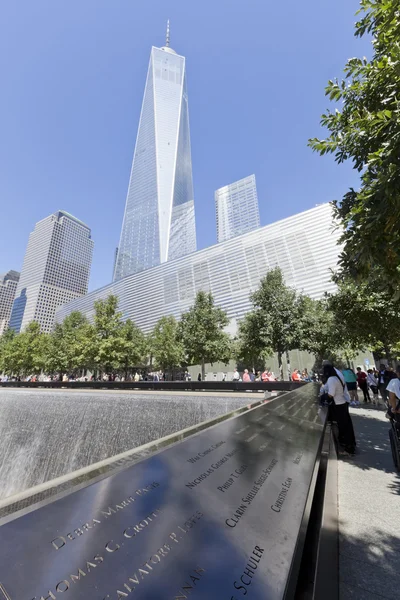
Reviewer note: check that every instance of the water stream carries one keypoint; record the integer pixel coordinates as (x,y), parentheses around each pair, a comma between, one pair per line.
(45,433)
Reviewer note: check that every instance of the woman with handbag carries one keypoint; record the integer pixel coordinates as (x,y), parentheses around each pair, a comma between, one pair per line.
(339,398)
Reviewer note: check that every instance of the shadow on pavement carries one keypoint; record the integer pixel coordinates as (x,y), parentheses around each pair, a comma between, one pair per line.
(373,445)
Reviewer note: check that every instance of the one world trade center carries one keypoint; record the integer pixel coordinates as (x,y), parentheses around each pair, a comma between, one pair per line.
(159,219)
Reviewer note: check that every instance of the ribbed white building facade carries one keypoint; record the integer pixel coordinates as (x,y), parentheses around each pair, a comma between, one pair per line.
(8,288)
(236,208)
(303,246)
(159,219)
(56,270)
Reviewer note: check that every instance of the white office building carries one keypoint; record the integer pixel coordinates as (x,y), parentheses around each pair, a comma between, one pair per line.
(304,246)
(159,219)
(56,270)
(236,208)
(8,287)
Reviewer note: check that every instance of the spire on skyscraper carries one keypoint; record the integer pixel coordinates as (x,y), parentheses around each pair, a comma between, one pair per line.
(159,221)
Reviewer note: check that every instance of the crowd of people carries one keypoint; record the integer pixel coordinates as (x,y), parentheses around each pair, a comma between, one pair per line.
(64,377)
(252,375)
(339,391)
(373,384)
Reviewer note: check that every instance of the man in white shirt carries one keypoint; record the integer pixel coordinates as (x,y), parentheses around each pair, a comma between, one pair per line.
(236,375)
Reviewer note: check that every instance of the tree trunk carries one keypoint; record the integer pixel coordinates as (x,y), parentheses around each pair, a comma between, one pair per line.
(388,356)
(280,364)
(288,365)
(203,370)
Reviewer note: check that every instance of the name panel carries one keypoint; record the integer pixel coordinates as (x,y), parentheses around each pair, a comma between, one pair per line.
(215,516)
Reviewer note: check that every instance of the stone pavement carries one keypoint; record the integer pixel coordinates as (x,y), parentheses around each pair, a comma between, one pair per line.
(369,513)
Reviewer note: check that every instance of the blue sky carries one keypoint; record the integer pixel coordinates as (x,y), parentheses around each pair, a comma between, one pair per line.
(72,81)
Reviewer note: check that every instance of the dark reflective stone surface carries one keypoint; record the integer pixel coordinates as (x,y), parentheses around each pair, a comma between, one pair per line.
(214,516)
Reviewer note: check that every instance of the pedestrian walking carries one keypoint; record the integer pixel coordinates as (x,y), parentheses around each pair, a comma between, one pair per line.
(362,384)
(372,383)
(385,374)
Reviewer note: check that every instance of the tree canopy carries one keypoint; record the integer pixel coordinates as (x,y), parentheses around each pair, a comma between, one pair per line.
(165,347)
(201,331)
(369,315)
(274,324)
(365,130)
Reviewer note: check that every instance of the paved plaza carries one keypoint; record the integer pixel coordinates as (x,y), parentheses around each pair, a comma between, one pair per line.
(369,513)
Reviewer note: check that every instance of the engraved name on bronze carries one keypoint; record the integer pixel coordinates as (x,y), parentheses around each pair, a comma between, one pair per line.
(189,586)
(60,541)
(233,520)
(200,455)
(279,502)
(200,478)
(145,570)
(235,475)
(248,572)
(112,546)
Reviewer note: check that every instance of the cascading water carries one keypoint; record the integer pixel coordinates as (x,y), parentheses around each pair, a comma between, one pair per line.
(46,434)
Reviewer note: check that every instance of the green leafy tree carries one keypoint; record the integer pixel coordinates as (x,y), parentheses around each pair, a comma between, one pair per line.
(132,346)
(366,131)
(323,333)
(166,348)
(370,317)
(25,353)
(277,317)
(105,336)
(6,352)
(67,349)
(251,346)
(201,331)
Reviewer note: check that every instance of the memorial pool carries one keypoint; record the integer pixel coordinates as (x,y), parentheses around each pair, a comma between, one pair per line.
(46,434)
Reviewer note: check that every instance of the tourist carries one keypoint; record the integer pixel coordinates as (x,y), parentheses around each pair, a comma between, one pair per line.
(236,376)
(362,384)
(305,376)
(351,382)
(337,390)
(136,377)
(246,376)
(251,375)
(296,375)
(385,374)
(199,377)
(372,383)
(393,390)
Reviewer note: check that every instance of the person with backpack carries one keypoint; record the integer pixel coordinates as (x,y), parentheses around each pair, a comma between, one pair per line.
(338,395)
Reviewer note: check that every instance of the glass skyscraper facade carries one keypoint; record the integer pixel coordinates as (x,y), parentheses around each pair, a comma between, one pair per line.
(236,208)
(305,247)
(159,219)
(56,270)
(8,287)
